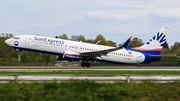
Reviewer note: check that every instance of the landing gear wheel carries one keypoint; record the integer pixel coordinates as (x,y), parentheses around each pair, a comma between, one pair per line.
(88,64)
(83,64)
(20,54)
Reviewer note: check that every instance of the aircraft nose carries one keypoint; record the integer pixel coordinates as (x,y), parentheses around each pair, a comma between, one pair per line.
(8,41)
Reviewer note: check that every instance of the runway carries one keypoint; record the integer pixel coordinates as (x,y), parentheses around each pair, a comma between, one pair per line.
(46,70)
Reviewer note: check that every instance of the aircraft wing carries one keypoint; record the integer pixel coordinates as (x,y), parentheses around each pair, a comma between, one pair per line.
(94,54)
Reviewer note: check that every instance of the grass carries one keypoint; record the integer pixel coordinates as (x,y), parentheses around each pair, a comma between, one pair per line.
(90,91)
(99,72)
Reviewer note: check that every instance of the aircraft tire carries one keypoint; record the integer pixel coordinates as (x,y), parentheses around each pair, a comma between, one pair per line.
(83,64)
(88,64)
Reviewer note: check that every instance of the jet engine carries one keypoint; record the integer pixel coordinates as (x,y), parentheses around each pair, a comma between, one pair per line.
(69,55)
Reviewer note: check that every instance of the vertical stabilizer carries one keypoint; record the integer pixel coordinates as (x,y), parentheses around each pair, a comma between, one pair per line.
(155,44)
(158,40)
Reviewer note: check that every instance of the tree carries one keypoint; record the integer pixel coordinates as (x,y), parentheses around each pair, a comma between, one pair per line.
(165,51)
(90,40)
(10,35)
(176,44)
(81,38)
(7,35)
(175,47)
(166,45)
(135,42)
(74,37)
(2,34)
(38,59)
(103,40)
(53,59)
(4,48)
(177,52)
(64,36)
(112,43)
(14,60)
(27,59)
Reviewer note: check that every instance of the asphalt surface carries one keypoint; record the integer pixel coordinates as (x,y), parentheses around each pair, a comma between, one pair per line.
(45,70)
(93,67)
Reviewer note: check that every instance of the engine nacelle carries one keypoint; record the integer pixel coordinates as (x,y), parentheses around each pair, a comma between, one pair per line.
(69,55)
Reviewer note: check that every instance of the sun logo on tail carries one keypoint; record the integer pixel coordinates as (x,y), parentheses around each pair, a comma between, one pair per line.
(158,37)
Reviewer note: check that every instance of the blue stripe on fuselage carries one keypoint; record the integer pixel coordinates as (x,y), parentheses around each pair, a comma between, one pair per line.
(146,54)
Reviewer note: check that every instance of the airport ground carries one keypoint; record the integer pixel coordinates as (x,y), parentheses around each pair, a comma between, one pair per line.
(90,90)
(92,67)
(50,70)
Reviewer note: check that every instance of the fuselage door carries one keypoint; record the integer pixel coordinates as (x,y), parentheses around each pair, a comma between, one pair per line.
(27,40)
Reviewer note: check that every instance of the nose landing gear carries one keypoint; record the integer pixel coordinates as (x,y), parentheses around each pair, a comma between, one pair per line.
(87,64)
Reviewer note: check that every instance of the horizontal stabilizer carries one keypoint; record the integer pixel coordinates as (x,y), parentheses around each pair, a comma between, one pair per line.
(160,56)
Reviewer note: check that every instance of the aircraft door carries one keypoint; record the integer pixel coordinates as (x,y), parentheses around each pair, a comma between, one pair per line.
(27,40)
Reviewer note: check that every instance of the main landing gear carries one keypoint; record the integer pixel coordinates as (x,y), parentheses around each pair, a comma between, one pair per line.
(87,64)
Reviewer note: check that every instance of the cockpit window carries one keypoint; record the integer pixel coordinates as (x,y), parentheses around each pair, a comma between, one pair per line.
(13,37)
(17,38)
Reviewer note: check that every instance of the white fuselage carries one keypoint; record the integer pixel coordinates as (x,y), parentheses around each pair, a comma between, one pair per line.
(59,46)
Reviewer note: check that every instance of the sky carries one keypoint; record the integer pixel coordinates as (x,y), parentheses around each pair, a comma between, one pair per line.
(116,20)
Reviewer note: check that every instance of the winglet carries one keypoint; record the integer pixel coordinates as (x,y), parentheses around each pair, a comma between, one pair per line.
(127,42)
(130,37)
(98,42)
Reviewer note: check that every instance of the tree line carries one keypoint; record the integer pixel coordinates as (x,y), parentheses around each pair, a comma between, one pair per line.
(8,54)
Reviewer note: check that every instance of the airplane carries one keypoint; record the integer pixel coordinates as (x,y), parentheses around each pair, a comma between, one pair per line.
(72,50)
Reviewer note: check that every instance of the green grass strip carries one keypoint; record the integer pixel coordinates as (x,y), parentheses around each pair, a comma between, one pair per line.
(100,72)
(89,91)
